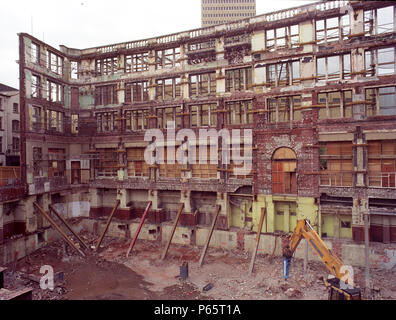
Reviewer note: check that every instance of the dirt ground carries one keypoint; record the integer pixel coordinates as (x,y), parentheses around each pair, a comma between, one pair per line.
(109,275)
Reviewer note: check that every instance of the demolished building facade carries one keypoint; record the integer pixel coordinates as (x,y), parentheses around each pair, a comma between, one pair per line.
(315,83)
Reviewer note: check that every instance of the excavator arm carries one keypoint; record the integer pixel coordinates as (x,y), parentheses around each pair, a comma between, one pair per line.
(331,261)
(305,230)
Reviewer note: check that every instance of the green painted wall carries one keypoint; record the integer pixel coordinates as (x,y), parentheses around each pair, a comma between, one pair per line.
(293,209)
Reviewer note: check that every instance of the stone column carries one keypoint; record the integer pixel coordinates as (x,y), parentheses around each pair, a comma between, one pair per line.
(360,207)
(224,218)
(186,199)
(153,197)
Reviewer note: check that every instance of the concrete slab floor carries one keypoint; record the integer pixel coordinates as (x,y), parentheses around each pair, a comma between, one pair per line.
(109,275)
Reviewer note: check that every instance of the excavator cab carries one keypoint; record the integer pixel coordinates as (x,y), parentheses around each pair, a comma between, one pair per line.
(337,293)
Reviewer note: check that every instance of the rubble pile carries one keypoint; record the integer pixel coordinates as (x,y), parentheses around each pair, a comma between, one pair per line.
(108,274)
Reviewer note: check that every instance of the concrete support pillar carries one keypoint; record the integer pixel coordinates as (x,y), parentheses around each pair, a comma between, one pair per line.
(220,48)
(386,225)
(122,196)
(46,201)
(225,212)
(358,108)
(307,35)
(186,199)
(286,218)
(153,197)
(357,25)
(121,92)
(95,199)
(270,214)
(360,207)
(151,69)
(337,226)
(31,218)
(359,167)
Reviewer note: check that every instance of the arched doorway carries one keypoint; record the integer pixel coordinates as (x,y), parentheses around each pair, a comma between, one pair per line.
(284,168)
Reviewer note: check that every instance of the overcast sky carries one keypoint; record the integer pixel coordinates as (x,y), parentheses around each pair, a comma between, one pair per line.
(89,23)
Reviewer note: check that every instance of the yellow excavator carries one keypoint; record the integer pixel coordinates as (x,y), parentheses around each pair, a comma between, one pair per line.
(340,283)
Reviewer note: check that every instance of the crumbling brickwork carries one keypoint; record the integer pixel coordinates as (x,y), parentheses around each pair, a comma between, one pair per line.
(307,81)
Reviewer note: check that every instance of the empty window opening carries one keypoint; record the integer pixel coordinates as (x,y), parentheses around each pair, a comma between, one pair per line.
(284,37)
(334,67)
(381,101)
(106,66)
(137,91)
(336,167)
(136,120)
(168,89)
(380,62)
(54,121)
(239,112)
(57,162)
(334,105)
(203,84)
(332,29)
(105,95)
(106,122)
(284,109)
(55,63)
(238,79)
(168,58)
(378,21)
(203,115)
(136,62)
(169,116)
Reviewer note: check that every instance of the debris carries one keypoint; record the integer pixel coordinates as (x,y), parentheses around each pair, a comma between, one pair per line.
(293,293)
(207,287)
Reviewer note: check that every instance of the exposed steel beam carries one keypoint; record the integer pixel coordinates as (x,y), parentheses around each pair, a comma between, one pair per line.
(139,228)
(218,208)
(181,207)
(53,223)
(260,227)
(107,224)
(67,225)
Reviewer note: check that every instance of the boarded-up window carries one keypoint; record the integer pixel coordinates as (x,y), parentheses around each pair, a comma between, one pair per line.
(284,168)
(137,166)
(169,167)
(240,166)
(382,163)
(336,168)
(106,163)
(57,163)
(204,170)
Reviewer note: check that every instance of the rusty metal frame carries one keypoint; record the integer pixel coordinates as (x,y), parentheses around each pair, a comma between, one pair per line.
(181,207)
(139,228)
(107,225)
(67,225)
(260,226)
(53,223)
(218,208)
